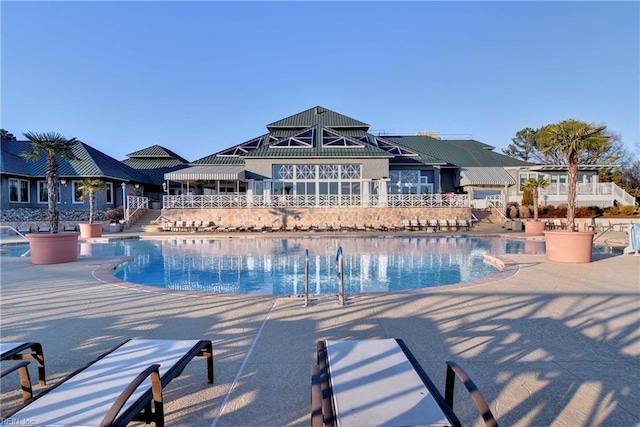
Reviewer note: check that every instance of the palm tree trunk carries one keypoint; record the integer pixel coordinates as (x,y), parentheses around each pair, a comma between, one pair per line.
(572,180)
(92,198)
(52,193)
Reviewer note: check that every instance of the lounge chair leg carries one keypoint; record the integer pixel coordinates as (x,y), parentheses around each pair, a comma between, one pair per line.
(207,352)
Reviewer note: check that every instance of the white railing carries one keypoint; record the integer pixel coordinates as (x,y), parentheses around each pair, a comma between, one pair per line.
(325,200)
(595,189)
(135,204)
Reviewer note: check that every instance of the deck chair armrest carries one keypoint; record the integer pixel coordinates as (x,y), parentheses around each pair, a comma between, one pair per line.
(317,420)
(152,371)
(454,370)
(25,380)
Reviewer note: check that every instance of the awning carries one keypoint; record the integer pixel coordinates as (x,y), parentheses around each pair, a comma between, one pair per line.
(485,176)
(207,173)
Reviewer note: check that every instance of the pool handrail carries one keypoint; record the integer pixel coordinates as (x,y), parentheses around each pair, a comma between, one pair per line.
(306,278)
(340,270)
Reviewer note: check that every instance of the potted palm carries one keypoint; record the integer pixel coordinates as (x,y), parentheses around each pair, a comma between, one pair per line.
(535,227)
(567,141)
(89,189)
(54,247)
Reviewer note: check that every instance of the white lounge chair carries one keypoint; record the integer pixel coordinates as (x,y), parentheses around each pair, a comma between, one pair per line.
(398,390)
(114,389)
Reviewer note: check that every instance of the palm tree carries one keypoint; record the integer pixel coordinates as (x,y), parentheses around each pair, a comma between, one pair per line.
(54,145)
(569,139)
(534,185)
(89,189)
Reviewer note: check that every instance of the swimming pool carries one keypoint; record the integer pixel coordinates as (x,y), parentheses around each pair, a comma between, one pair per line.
(276,266)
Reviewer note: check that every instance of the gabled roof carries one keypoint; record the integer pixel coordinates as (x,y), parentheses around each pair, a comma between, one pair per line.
(91,163)
(317,116)
(462,153)
(318,142)
(231,156)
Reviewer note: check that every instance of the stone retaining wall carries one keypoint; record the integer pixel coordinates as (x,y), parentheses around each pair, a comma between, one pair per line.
(285,217)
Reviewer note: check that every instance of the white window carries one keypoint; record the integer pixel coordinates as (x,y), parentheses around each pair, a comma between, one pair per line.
(18,190)
(109,193)
(77,192)
(43,192)
(532,175)
(404,182)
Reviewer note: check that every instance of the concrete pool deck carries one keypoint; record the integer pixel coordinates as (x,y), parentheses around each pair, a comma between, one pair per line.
(553,344)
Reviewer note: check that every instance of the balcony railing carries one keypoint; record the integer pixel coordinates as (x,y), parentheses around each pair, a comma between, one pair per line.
(325,201)
(594,189)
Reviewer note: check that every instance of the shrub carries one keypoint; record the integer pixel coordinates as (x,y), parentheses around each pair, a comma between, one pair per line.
(627,210)
(512,212)
(611,210)
(524,212)
(588,211)
(115,214)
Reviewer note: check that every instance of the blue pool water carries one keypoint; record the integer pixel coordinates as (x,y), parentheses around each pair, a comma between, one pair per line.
(276,266)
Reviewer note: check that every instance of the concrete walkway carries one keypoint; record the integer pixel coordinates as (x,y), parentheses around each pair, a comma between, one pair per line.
(552,344)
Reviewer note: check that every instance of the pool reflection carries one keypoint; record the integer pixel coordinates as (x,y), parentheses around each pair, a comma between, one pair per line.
(276,266)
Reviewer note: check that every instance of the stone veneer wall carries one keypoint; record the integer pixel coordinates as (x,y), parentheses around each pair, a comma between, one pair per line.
(313,216)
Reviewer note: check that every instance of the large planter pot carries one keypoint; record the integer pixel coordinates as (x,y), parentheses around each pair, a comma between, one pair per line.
(90,230)
(569,246)
(53,248)
(534,228)
(534,247)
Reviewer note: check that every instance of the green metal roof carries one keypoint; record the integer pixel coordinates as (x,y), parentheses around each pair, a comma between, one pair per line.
(318,116)
(153,163)
(156,151)
(463,153)
(91,163)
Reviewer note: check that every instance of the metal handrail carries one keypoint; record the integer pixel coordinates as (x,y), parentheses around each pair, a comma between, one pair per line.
(610,228)
(15,231)
(493,206)
(306,278)
(19,234)
(340,270)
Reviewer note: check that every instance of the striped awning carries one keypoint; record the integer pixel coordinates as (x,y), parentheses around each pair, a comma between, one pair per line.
(207,173)
(485,176)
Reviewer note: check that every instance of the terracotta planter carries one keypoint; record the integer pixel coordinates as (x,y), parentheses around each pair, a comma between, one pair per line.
(534,228)
(90,230)
(569,246)
(53,248)
(534,247)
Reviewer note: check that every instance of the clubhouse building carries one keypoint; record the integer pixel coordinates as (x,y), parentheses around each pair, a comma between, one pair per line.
(314,167)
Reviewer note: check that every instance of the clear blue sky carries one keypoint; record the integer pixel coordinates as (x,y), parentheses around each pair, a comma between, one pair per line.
(197,77)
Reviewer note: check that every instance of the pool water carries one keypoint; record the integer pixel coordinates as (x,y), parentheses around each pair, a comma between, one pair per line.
(276,266)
